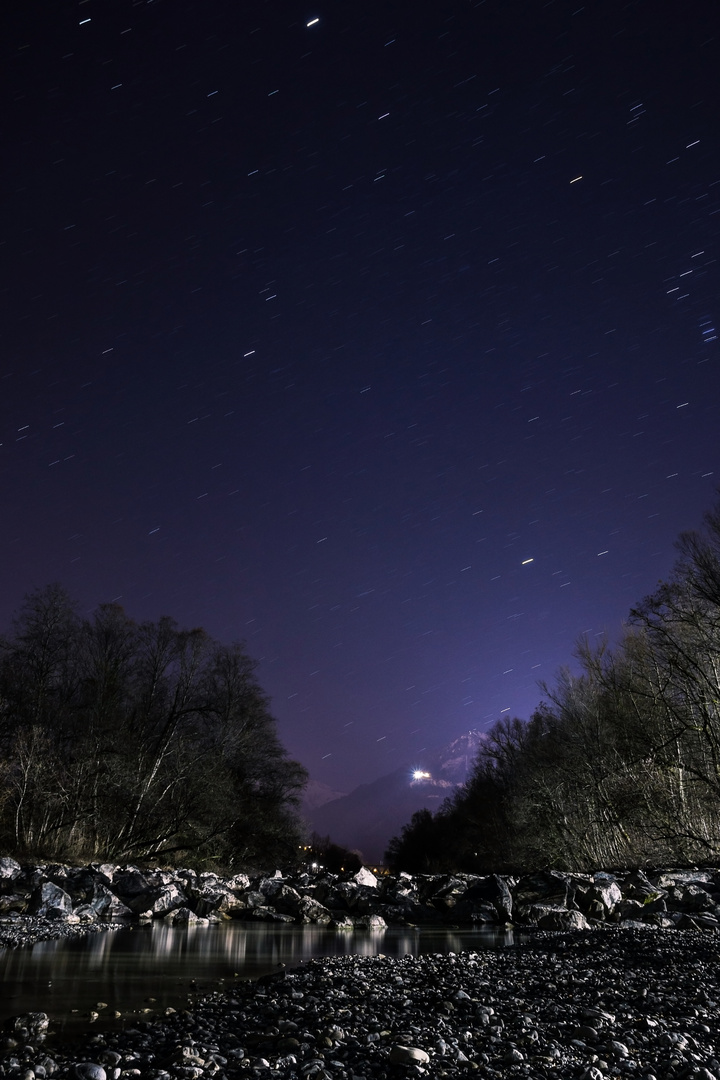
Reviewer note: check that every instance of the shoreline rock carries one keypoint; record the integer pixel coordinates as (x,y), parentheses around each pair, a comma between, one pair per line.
(94,895)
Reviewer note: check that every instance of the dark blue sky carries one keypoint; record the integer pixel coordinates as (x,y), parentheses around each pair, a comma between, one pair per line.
(314,333)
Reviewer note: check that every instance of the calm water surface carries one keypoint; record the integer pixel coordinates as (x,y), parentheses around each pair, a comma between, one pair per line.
(139,971)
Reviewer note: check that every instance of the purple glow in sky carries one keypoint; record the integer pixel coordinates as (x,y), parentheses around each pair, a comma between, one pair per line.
(382,338)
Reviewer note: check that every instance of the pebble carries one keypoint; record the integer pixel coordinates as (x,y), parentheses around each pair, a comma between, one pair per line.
(591,1005)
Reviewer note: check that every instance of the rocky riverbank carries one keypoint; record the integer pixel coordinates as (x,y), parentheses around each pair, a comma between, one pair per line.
(627,1002)
(549,900)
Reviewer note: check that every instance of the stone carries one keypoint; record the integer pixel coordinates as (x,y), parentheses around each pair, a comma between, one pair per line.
(170,898)
(689,897)
(129,883)
(559,919)
(184,916)
(49,901)
(532,913)
(370,922)
(28,1026)
(286,899)
(238,882)
(87,1070)
(607,891)
(408,1055)
(492,890)
(547,887)
(309,910)
(85,913)
(365,877)
(12,902)
(9,871)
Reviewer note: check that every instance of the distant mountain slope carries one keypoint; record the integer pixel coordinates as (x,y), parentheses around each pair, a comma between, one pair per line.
(316,794)
(372,814)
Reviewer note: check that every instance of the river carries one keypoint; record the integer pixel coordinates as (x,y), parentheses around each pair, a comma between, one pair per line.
(139,971)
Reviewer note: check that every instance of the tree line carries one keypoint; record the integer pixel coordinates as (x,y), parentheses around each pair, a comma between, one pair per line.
(619,765)
(123,740)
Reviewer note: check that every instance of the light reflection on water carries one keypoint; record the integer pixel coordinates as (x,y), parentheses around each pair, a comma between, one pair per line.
(174,965)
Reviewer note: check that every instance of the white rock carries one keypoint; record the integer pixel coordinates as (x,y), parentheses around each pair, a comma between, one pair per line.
(408,1055)
(365,877)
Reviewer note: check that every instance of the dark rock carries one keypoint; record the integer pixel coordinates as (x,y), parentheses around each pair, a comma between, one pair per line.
(492,890)
(183,916)
(29,1026)
(13,902)
(170,898)
(689,897)
(129,883)
(561,919)
(310,910)
(86,1070)
(547,887)
(49,901)
(605,889)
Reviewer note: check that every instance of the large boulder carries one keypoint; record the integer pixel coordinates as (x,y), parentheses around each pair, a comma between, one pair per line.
(209,898)
(30,879)
(238,882)
(105,871)
(562,919)
(492,890)
(545,887)
(9,871)
(668,878)
(689,897)
(532,913)
(349,895)
(637,886)
(365,877)
(183,916)
(13,902)
(104,904)
(447,894)
(49,901)
(326,892)
(370,922)
(170,898)
(310,911)
(130,883)
(606,891)
(287,900)
(29,1027)
(476,912)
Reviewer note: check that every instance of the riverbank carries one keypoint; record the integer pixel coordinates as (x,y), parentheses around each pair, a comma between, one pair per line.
(614,1001)
(685,899)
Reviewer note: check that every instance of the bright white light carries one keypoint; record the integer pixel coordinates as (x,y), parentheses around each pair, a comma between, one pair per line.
(418,774)
(312,22)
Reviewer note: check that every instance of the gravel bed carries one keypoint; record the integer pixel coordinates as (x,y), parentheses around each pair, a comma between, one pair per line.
(20,930)
(637,1002)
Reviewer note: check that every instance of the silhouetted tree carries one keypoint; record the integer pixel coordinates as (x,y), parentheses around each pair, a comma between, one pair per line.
(127,740)
(620,765)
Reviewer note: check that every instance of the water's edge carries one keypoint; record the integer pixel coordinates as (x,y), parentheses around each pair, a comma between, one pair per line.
(140,971)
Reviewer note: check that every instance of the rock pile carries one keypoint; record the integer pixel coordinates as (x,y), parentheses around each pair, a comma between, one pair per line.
(614,1002)
(549,900)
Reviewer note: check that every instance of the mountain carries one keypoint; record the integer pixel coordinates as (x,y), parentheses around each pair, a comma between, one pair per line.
(316,794)
(368,818)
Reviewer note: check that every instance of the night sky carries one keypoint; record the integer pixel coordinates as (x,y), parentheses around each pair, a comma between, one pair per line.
(380,336)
